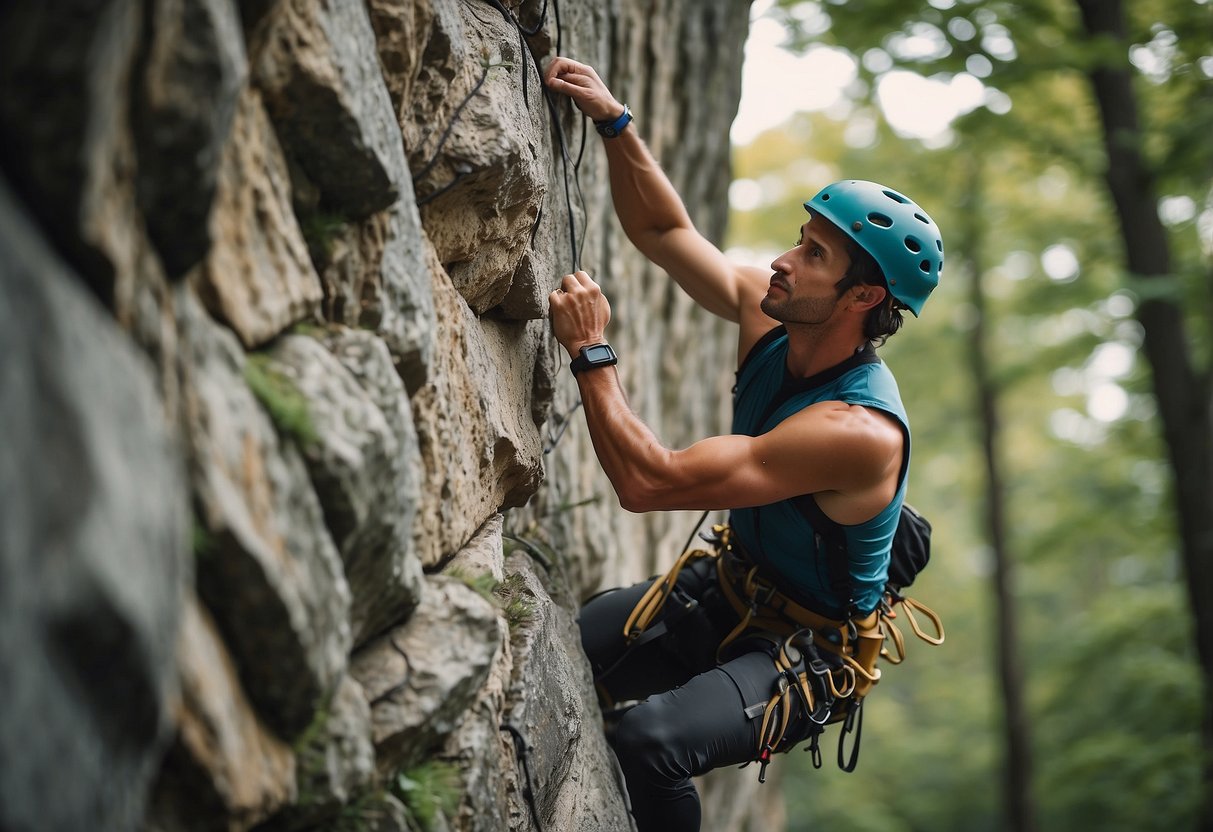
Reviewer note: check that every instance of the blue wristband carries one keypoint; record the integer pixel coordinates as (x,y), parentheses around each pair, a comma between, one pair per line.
(611,129)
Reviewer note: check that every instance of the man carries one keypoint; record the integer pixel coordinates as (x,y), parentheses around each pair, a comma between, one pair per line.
(816,413)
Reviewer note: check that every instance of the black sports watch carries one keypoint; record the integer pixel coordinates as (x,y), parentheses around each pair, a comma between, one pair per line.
(593,357)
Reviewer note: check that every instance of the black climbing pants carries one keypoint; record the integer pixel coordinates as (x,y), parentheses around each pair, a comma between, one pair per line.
(694,715)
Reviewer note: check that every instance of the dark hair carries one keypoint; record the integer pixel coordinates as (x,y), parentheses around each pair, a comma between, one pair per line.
(885,319)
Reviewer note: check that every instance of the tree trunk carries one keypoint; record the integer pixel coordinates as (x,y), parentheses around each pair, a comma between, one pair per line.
(1182,394)
(1017,784)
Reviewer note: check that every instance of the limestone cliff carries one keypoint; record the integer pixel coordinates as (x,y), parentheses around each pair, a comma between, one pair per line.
(296,506)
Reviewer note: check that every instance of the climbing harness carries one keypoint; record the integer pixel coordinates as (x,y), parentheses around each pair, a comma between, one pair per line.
(826,666)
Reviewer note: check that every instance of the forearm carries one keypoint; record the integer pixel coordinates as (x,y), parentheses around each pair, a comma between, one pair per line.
(629,452)
(645,201)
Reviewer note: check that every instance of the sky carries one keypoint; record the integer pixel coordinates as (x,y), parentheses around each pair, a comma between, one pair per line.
(915,106)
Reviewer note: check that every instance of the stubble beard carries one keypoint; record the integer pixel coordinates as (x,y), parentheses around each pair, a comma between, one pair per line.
(810,311)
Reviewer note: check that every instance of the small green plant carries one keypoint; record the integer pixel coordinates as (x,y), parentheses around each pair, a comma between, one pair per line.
(310,329)
(428,789)
(287,407)
(519,611)
(320,229)
(516,602)
(202,541)
(483,584)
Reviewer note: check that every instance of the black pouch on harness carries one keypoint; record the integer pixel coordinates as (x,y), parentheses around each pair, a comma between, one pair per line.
(911,547)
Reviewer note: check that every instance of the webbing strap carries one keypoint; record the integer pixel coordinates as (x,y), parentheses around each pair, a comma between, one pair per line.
(655,596)
(909,606)
(832,544)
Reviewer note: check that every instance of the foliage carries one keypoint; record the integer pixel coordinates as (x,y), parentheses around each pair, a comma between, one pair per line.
(516,600)
(286,406)
(482,584)
(1113,687)
(511,596)
(429,790)
(320,229)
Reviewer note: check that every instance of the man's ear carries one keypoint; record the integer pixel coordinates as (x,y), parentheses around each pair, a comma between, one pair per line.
(867,296)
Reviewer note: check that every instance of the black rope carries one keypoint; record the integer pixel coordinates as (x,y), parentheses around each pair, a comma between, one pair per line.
(575,250)
(430,197)
(531,549)
(691,536)
(564,425)
(522,752)
(446,134)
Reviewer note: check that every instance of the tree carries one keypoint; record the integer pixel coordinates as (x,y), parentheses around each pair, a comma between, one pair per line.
(1147,74)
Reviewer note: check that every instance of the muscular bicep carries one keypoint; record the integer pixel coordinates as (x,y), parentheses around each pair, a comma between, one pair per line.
(830,446)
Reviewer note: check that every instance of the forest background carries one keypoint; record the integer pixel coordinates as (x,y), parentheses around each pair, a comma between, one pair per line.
(1058,384)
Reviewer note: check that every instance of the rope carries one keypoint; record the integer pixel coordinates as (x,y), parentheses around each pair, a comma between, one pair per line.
(566,160)
(446,133)
(522,753)
(564,425)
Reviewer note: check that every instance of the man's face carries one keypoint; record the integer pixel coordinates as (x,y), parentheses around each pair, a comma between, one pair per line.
(803,286)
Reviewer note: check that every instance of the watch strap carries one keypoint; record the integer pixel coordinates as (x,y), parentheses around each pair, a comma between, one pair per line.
(611,128)
(604,356)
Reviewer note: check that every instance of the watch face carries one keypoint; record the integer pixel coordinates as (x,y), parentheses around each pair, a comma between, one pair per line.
(598,354)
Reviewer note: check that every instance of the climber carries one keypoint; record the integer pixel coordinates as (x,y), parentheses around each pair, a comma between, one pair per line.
(816,412)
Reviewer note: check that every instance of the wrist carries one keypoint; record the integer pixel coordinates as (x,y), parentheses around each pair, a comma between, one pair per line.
(611,127)
(593,356)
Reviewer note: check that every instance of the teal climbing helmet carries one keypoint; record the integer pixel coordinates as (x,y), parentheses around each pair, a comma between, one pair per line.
(904,241)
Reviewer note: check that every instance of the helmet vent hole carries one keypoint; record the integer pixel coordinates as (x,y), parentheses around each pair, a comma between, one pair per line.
(880,219)
(896,197)
(925,265)
(913,245)
(922,219)
(939,245)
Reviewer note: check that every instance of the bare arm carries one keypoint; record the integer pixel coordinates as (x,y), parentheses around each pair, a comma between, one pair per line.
(828,447)
(650,210)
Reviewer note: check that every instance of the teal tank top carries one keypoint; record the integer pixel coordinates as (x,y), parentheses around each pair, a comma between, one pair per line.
(778,537)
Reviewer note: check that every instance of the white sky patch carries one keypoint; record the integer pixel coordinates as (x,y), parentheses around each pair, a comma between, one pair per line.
(1107,402)
(745,195)
(1059,262)
(920,108)
(1112,359)
(1174,210)
(776,84)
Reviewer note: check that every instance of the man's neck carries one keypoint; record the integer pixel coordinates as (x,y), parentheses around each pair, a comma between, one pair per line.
(812,349)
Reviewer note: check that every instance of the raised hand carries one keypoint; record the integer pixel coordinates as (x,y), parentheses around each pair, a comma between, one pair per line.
(581,83)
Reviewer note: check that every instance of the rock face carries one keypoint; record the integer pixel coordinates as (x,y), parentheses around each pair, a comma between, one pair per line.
(296,506)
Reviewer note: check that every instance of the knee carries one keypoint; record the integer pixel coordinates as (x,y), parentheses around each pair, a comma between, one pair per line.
(648,739)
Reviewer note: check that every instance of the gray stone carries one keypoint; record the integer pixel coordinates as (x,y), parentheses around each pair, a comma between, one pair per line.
(375,812)
(401,29)
(479,443)
(325,91)
(483,553)
(363,463)
(185,102)
(267,567)
(225,768)
(336,762)
(65,69)
(418,683)
(94,555)
(470,134)
(552,705)
(258,277)
(375,276)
